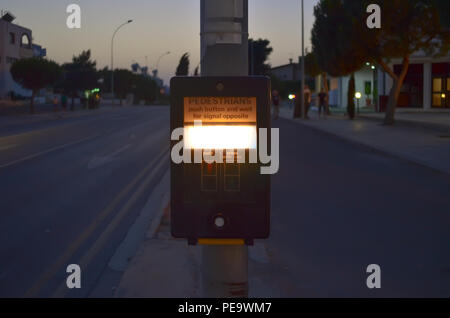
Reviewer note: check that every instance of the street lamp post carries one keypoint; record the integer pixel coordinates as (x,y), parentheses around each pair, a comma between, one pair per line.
(156,73)
(159,59)
(358,96)
(112,57)
(302,89)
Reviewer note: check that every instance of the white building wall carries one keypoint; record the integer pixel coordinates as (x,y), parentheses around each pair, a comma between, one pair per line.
(341,89)
(15,51)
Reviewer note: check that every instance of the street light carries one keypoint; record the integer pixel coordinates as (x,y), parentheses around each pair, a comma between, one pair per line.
(158,93)
(112,57)
(159,59)
(358,96)
(302,89)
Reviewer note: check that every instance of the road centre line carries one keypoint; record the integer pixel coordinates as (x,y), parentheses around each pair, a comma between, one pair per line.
(112,226)
(41,153)
(53,269)
(44,152)
(3,148)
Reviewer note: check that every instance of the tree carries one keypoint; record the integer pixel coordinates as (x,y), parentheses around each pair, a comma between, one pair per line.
(312,67)
(35,74)
(351,97)
(343,42)
(183,66)
(334,38)
(408,26)
(80,75)
(258,54)
(123,83)
(443,7)
(144,88)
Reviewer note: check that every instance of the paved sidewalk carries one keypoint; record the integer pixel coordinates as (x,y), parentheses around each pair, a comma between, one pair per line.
(165,267)
(433,120)
(415,143)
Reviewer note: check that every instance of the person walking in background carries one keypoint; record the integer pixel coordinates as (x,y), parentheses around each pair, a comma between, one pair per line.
(276,100)
(322,97)
(307,96)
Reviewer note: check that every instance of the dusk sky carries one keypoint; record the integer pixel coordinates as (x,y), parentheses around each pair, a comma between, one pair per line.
(159,26)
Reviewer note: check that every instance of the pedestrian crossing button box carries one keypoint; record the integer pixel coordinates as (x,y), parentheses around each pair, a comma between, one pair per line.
(221,117)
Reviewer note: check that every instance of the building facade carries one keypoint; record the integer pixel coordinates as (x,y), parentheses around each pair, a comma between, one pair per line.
(426,86)
(427,83)
(15,43)
(287,72)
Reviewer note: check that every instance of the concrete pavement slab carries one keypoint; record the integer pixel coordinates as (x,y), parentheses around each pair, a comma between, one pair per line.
(424,146)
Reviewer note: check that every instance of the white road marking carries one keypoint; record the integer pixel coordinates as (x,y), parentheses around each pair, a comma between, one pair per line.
(99,161)
(75,245)
(47,151)
(150,217)
(2,148)
(104,237)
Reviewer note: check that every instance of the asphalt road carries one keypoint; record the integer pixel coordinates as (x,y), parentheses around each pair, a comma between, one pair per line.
(70,189)
(338,207)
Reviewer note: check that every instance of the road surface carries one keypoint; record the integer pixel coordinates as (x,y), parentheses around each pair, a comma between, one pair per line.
(70,189)
(338,207)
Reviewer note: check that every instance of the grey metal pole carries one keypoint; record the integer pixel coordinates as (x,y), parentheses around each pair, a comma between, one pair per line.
(158,91)
(159,59)
(224,267)
(302,94)
(112,57)
(252,60)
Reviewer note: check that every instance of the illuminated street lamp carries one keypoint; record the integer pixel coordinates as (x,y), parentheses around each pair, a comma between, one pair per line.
(358,96)
(112,56)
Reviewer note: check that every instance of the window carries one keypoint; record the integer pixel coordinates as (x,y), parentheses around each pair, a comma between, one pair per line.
(25,41)
(437,84)
(441,92)
(12,38)
(411,94)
